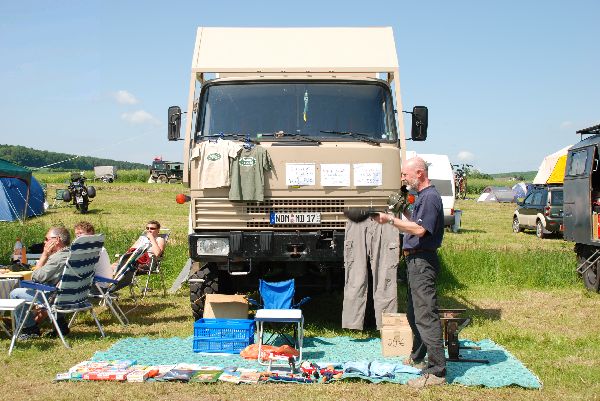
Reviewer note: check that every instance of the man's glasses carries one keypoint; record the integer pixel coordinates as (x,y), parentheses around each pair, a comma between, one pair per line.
(151,228)
(48,239)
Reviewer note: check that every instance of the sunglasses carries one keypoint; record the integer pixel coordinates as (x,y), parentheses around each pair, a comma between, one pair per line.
(48,239)
(151,228)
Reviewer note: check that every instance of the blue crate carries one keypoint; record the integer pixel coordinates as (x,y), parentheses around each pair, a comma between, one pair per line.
(223,335)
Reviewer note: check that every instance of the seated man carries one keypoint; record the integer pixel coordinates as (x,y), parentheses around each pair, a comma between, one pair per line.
(103,267)
(150,236)
(48,270)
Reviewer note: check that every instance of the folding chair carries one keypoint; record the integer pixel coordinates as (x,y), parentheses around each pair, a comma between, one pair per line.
(58,200)
(153,268)
(278,307)
(71,293)
(123,278)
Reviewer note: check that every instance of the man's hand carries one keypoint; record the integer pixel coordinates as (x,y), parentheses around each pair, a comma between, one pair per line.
(50,246)
(383,218)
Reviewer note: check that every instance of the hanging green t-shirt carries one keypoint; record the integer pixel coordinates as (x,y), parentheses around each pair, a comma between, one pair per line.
(248,174)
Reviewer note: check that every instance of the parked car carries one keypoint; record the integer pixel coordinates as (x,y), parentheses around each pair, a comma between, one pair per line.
(541,210)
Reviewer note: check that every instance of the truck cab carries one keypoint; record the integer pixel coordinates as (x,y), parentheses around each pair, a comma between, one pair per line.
(581,217)
(324,103)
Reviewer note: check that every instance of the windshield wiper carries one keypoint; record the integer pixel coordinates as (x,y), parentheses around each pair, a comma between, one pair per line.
(298,137)
(356,135)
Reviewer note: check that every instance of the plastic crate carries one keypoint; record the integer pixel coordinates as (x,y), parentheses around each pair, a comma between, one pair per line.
(223,335)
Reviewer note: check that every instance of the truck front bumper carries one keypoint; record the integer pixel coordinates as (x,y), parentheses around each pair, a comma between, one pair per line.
(305,246)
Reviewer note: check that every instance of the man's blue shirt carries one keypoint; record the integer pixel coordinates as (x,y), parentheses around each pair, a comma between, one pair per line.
(428,212)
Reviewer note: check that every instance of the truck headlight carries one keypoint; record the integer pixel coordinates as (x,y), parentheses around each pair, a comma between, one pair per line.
(213,246)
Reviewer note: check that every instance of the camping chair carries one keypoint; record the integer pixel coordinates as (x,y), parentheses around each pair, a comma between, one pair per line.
(154,267)
(72,291)
(58,200)
(124,275)
(278,307)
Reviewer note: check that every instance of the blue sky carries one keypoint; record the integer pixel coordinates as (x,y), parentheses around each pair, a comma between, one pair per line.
(506,82)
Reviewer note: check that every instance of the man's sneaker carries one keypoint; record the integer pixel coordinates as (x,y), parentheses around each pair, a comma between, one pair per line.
(29,333)
(415,364)
(426,380)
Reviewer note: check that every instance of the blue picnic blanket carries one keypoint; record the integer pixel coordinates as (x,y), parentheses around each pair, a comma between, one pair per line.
(502,370)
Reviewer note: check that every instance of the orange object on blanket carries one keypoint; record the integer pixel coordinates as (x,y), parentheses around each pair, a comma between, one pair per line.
(251,351)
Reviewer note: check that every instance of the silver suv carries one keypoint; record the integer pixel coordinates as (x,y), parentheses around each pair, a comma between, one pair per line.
(541,210)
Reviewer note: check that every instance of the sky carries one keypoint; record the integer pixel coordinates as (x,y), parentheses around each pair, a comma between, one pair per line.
(506,82)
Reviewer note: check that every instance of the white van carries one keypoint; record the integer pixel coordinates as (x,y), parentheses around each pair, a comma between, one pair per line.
(442,176)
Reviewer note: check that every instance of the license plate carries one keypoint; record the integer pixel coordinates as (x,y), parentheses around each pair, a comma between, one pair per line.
(295,218)
(79,199)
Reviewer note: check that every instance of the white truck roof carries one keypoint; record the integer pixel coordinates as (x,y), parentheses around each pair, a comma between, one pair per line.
(295,50)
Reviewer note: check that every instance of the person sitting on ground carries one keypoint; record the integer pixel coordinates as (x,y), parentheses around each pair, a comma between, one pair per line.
(48,270)
(103,267)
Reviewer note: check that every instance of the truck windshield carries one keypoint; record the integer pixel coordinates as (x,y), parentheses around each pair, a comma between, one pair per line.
(302,108)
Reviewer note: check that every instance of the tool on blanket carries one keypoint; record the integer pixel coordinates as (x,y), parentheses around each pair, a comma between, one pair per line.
(452,324)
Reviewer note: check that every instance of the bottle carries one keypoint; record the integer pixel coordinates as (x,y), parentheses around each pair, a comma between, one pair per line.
(23,255)
(17,251)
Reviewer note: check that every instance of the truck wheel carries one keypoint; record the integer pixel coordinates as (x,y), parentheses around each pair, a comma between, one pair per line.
(539,229)
(591,277)
(173,181)
(162,179)
(204,281)
(515,227)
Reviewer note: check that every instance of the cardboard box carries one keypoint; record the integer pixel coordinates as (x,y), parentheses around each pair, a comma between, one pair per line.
(221,306)
(396,341)
(394,319)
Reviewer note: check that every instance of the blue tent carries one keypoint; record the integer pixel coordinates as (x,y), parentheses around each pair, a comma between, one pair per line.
(19,191)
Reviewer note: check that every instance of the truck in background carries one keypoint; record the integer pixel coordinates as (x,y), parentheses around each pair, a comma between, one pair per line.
(581,195)
(325,103)
(165,171)
(105,173)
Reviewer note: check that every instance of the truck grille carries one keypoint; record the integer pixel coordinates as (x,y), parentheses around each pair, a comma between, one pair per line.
(222,214)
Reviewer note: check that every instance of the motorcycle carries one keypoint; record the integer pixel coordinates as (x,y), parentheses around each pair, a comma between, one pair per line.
(79,193)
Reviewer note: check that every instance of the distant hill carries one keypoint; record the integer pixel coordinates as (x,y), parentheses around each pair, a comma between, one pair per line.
(526,176)
(35,158)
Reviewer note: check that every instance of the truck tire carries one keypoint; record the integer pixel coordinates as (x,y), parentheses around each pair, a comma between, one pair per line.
(207,283)
(162,179)
(591,277)
(173,180)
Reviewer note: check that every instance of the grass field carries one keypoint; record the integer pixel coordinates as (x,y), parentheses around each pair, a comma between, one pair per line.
(521,291)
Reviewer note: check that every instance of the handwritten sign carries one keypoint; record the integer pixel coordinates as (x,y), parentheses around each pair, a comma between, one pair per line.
(300,174)
(335,175)
(368,174)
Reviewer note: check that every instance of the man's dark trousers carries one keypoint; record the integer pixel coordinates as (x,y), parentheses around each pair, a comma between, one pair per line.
(422,311)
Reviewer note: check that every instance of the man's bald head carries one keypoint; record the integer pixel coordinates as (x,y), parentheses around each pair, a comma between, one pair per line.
(415,173)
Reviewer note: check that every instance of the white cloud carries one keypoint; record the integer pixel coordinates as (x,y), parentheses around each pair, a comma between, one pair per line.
(465,156)
(124,97)
(566,124)
(140,117)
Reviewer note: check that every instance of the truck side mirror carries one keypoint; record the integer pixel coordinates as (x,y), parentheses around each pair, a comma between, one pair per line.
(174,123)
(418,131)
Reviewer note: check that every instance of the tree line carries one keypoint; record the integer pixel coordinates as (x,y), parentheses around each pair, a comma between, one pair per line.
(34,158)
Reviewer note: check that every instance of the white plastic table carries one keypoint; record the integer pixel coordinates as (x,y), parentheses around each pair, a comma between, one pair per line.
(293,316)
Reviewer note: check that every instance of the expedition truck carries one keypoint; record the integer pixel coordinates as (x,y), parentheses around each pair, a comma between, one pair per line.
(325,104)
(166,172)
(581,193)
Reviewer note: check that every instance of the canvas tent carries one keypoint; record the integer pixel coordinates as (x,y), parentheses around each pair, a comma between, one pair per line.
(552,169)
(497,194)
(20,194)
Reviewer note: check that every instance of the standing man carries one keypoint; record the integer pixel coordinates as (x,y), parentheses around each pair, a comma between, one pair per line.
(423,236)
(48,270)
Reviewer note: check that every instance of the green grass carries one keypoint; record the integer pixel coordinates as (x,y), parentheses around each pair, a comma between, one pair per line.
(521,292)
(124,176)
